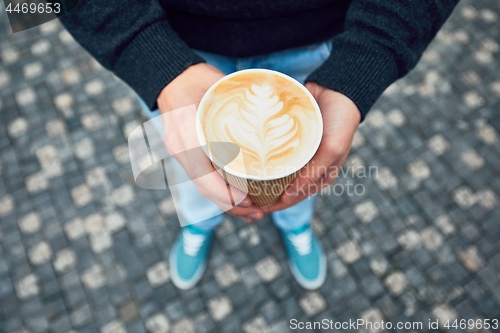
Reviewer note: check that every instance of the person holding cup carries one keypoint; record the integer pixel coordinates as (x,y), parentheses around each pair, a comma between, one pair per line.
(345,51)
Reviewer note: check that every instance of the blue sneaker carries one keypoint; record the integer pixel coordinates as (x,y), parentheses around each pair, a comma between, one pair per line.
(188,257)
(306,257)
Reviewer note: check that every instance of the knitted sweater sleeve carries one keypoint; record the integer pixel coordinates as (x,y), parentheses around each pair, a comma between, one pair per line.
(381,42)
(133,39)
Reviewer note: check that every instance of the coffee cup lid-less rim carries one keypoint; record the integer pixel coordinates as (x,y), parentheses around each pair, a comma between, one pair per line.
(289,170)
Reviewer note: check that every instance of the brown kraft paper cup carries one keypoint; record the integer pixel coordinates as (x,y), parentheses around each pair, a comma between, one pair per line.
(262,192)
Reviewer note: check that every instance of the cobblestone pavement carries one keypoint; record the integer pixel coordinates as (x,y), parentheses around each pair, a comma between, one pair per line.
(84,249)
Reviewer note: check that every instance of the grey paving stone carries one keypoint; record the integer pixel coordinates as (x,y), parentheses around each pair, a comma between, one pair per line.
(128,311)
(74,296)
(60,324)
(27,286)
(157,323)
(372,285)
(226,275)
(271,311)
(268,269)
(105,314)
(114,326)
(396,282)
(387,306)
(158,274)
(220,308)
(237,295)
(280,289)
(257,324)
(81,316)
(195,305)
(175,310)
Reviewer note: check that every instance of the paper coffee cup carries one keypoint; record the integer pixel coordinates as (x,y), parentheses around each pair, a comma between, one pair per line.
(272,118)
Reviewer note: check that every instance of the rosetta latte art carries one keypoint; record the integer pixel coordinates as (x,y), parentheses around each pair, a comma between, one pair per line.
(270,118)
(258,127)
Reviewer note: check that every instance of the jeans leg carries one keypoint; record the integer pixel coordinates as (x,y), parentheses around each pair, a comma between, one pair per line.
(299,63)
(295,216)
(193,206)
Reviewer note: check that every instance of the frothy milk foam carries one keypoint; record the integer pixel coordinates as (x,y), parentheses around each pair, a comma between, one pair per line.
(276,123)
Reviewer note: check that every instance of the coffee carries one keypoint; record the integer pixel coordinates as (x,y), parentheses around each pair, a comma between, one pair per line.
(269,116)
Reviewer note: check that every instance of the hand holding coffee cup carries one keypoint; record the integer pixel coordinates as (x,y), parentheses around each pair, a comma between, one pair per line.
(341,118)
(273,119)
(188,89)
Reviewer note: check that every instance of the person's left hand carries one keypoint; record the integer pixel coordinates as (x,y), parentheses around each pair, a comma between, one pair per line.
(341,118)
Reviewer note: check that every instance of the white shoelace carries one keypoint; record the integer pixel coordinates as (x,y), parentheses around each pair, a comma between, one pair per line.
(192,243)
(302,242)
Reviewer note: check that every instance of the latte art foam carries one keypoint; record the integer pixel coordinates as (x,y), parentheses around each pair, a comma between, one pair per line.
(257,127)
(268,116)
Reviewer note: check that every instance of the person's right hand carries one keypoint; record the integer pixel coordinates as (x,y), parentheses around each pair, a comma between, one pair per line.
(185,90)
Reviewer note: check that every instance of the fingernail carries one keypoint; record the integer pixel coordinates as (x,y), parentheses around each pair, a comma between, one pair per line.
(254,216)
(245,204)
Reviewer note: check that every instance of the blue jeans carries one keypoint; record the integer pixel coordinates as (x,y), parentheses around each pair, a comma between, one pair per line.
(297,63)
